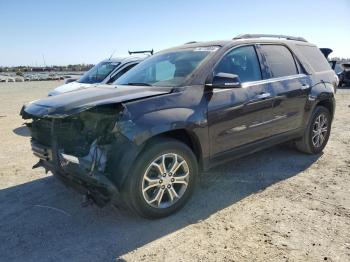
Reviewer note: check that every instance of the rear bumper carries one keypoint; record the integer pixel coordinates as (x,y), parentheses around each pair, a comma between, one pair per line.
(94,184)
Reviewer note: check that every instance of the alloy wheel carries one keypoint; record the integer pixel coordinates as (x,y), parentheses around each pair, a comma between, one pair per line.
(319,131)
(165,180)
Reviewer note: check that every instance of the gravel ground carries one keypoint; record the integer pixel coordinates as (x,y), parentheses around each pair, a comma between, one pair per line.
(275,205)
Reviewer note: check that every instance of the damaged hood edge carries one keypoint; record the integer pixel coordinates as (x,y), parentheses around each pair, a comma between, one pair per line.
(75,102)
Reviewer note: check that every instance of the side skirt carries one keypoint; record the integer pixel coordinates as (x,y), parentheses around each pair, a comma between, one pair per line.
(250,148)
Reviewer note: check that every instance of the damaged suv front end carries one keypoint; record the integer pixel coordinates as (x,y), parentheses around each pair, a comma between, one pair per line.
(73,137)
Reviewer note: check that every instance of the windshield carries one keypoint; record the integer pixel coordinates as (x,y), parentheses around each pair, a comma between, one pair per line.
(166,69)
(98,73)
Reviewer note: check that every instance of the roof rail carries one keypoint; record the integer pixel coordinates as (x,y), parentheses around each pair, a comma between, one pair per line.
(246,36)
(141,52)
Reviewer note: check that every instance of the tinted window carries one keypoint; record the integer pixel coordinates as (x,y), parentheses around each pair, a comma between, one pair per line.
(280,60)
(314,57)
(241,61)
(120,73)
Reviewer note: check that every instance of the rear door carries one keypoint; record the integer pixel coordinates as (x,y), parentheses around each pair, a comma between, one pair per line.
(289,86)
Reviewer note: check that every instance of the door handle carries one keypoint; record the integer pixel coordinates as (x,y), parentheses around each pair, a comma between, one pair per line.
(304,86)
(263,95)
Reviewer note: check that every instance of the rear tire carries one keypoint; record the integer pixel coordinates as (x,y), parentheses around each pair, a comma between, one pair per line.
(157,185)
(317,132)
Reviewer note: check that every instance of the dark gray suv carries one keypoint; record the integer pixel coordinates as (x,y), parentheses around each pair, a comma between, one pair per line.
(143,142)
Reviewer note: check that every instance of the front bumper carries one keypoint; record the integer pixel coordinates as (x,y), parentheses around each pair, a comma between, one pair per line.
(94,184)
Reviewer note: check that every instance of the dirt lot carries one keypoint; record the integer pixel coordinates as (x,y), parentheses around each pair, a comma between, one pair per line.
(277,205)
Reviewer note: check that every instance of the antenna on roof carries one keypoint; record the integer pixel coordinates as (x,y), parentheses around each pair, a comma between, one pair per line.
(141,52)
(112,54)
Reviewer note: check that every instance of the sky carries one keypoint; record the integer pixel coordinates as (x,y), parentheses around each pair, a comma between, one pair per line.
(87,31)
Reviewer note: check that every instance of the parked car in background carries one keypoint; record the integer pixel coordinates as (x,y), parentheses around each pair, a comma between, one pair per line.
(143,141)
(343,72)
(105,72)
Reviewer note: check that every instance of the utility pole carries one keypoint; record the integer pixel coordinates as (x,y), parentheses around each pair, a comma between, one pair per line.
(44,60)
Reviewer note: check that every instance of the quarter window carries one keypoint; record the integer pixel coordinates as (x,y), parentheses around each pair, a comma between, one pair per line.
(279,60)
(316,59)
(241,61)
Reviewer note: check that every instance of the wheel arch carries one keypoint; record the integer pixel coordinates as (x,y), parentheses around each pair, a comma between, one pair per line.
(327,103)
(183,135)
(321,94)
(126,156)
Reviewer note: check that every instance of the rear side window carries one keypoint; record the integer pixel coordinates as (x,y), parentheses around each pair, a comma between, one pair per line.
(241,61)
(315,58)
(280,60)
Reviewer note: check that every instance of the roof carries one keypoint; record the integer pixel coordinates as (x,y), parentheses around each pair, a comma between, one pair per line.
(250,39)
(126,59)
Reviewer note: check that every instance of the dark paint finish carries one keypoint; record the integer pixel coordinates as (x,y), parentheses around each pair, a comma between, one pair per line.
(80,100)
(235,117)
(221,123)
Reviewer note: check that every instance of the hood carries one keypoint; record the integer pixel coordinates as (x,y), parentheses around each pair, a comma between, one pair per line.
(81,100)
(326,51)
(72,86)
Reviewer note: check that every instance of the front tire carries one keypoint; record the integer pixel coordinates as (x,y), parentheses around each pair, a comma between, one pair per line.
(162,179)
(317,132)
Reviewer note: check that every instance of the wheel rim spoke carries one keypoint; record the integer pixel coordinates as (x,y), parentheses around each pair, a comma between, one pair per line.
(176,166)
(181,179)
(321,138)
(158,198)
(163,164)
(151,183)
(159,167)
(172,194)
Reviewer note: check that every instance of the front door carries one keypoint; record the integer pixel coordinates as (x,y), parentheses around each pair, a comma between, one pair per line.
(237,116)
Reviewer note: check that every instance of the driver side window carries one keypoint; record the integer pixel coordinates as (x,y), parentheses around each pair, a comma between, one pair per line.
(241,61)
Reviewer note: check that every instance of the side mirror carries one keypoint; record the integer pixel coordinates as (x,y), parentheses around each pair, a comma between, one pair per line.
(225,80)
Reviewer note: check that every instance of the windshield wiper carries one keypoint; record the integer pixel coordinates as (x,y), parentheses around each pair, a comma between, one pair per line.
(138,84)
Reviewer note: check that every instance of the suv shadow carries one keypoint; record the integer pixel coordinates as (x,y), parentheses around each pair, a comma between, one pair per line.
(42,220)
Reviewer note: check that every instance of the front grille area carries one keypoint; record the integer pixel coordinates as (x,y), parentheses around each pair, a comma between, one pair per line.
(43,152)
(41,131)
